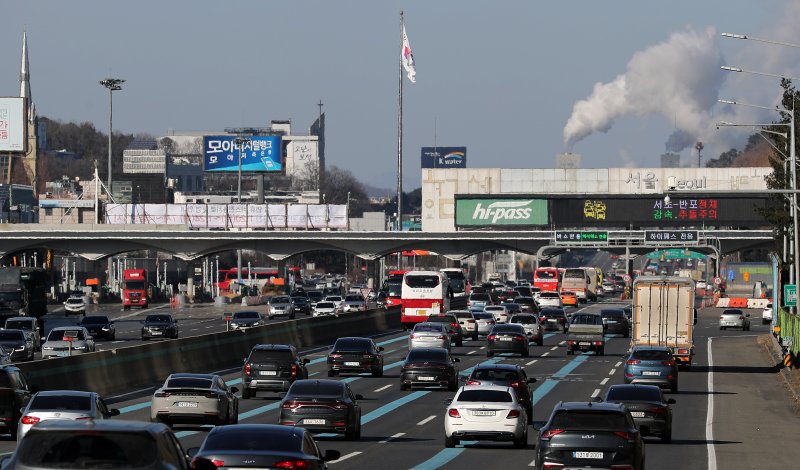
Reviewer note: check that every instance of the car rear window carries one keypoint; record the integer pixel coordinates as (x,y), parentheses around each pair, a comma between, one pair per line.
(523,319)
(12,335)
(732,312)
(5,381)
(18,325)
(484,396)
(441,319)
(495,375)
(65,449)
(589,420)
(508,329)
(316,388)
(354,298)
(548,295)
(252,440)
(633,394)
(352,344)
(189,382)
(553,313)
(245,315)
(480,297)
(463,315)
(61,402)
(281,355)
(427,355)
(428,327)
(612,313)
(525,300)
(59,335)
(483,316)
(651,355)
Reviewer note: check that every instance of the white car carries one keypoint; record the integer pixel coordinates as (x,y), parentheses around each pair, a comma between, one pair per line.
(608,288)
(67,341)
(354,303)
(337,299)
(766,315)
(326,308)
(486,412)
(499,312)
(701,284)
(63,405)
(550,299)
(76,305)
(429,335)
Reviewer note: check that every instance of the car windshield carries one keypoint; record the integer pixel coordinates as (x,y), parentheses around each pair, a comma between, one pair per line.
(188,382)
(523,319)
(280,300)
(352,344)
(158,318)
(322,305)
(427,355)
(19,325)
(245,315)
(589,420)
(651,355)
(422,327)
(61,402)
(74,301)
(231,440)
(94,320)
(60,335)
(62,449)
(6,335)
(316,388)
(299,300)
(633,394)
(485,396)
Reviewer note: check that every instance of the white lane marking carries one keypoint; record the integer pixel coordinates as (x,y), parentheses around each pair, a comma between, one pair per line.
(533,463)
(532,362)
(483,347)
(118,341)
(554,348)
(596,392)
(194,329)
(138,312)
(426,420)
(612,371)
(712,455)
(471,352)
(345,457)
(618,364)
(382,388)
(545,354)
(562,343)
(393,436)
(209,327)
(604,381)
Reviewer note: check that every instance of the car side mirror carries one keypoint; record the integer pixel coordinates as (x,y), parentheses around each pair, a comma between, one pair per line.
(113,412)
(455,359)
(331,454)
(644,429)
(537,425)
(747,315)
(380,348)
(234,389)
(597,400)
(671,401)
(462,378)
(359,396)
(282,395)
(532,380)
(192,451)
(305,361)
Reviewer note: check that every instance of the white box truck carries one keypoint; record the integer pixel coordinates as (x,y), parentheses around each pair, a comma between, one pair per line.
(664,315)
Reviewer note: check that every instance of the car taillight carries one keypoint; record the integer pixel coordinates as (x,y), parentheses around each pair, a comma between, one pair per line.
(542,318)
(683,351)
(162,394)
(553,465)
(30,419)
(334,355)
(657,410)
(453,413)
(216,462)
(624,434)
(412,336)
(454,324)
(632,362)
(668,363)
(340,406)
(473,382)
(516,384)
(441,337)
(741,317)
(492,337)
(571,342)
(519,338)
(721,318)
(247,369)
(291,464)
(623,466)
(294,370)
(513,414)
(550,433)
(290,405)
(598,343)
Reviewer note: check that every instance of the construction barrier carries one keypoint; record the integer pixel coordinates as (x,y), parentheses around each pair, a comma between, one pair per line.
(741,302)
(723,302)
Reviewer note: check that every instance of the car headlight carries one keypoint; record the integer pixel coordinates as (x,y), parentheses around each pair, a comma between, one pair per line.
(47,348)
(106,328)
(234,325)
(19,348)
(79,347)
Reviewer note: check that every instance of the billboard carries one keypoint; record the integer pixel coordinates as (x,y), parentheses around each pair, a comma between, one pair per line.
(493,212)
(12,124)
(651,211)
(262,153)
(444,157)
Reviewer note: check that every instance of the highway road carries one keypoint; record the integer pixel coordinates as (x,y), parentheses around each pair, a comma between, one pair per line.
(403,429)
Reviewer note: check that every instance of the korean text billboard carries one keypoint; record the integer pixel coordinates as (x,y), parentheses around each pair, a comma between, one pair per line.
(12,124)
(259,153)
(444,157)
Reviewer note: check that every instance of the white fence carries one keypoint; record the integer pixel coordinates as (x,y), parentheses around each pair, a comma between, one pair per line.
(227,216)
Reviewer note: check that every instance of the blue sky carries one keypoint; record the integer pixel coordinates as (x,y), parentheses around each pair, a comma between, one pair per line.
(501,78)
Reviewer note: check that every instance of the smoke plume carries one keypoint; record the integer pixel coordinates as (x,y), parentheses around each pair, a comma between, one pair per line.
(678,78)
(679,140)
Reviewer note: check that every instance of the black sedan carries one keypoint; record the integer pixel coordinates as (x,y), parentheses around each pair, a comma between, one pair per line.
(260,446)
(355,355)
(322,406)
(553,319)
(159,326)
(589,435)
(246,319)
(17,345)
(429,367)
(508,338)
(100,327)
(646,404)
(301,304)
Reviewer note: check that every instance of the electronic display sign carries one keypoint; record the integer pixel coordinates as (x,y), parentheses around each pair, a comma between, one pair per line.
(492,212)
(261,153)
(581,237)
(671,236)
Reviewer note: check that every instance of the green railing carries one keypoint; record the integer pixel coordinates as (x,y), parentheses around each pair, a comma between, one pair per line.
(790,331)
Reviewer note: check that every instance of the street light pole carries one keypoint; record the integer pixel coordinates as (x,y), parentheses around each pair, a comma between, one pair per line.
(240,142)
(113,84)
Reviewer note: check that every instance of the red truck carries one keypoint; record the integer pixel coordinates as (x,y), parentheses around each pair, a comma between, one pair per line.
(134,288)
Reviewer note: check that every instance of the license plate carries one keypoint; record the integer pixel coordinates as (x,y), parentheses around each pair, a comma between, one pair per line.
(504,339)
(587,455)
(186,404)
(483,412)
(268,372)
(612,322)
(422,312)
(637,414)
(352,363)
(651,372)
(585,343)
(156,333)
(62,354)
(313,421)
(426,378)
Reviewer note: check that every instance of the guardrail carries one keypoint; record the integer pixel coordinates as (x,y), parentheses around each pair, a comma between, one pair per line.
(129,368)
(790,329)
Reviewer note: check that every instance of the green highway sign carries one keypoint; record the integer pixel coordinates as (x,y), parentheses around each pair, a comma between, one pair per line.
(790,295)
(575,236)
(489,212)
(675,253)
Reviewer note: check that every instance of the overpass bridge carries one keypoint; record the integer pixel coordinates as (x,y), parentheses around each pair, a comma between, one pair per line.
(96,242)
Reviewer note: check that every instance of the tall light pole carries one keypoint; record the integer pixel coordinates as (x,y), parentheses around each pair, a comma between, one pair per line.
(113,84)
(240,142)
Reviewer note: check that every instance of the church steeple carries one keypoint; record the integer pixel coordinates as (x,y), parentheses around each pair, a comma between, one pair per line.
(24,78)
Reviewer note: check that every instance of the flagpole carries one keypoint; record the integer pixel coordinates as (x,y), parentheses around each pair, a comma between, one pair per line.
(400,135)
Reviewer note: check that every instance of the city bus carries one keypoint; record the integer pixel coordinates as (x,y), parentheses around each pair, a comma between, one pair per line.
(577,280)
(546,279)
(423,293)
(252,277)
(392,285)
(459,285)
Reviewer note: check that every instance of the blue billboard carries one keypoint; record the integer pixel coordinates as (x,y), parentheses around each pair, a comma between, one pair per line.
(261,153)
(444,157)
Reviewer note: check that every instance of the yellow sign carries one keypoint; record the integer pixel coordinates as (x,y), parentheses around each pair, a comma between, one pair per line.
(594,209)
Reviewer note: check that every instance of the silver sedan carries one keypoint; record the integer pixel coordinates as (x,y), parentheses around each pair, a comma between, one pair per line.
(429,335)
(67,341)
(195,399)
(734,318)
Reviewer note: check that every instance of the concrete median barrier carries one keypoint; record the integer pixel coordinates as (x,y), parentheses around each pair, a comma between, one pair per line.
(129,368)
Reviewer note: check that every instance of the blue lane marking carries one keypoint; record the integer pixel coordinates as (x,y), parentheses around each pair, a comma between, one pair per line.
(391,406)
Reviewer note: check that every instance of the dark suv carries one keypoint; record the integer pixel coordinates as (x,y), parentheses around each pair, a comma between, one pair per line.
(509,375)
(272,368)
(615,322)
(589,434)
(14,395)
(452,325)
(159,325)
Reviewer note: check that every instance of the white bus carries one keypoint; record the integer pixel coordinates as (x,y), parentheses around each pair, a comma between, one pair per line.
(458,283)
(423,293)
